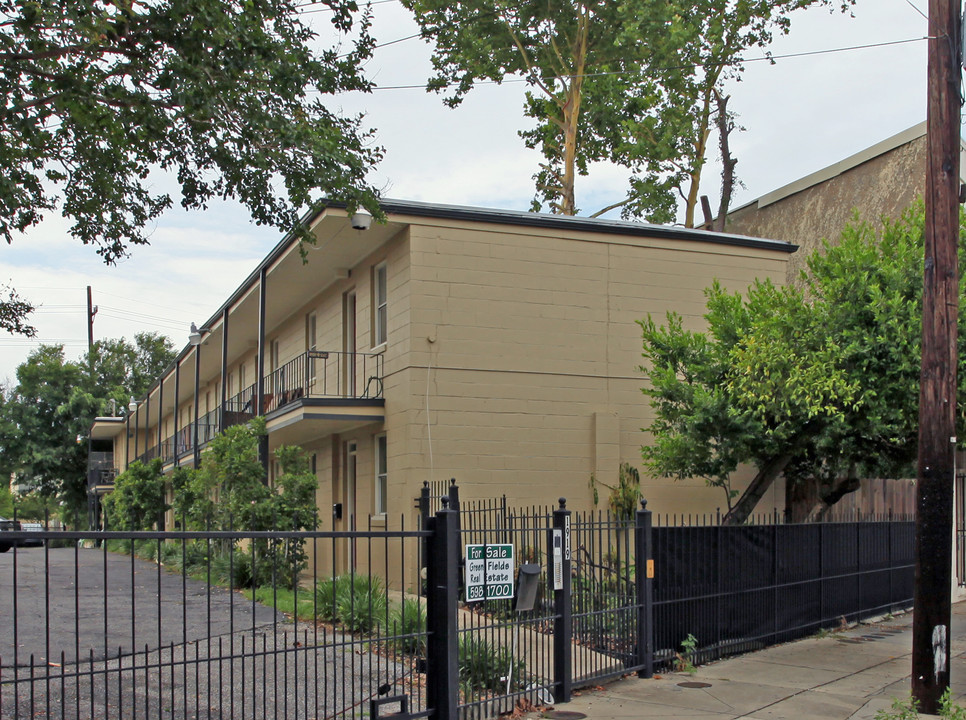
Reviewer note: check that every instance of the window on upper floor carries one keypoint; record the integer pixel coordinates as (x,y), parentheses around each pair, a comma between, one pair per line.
(382,477)
(273,355)
(380,306)
(311,339)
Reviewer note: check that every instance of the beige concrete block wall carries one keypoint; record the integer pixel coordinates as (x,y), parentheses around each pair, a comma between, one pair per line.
(527,347)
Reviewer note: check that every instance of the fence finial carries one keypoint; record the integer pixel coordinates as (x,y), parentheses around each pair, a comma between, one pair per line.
(445,500)
(452,481)
(425,483)
(643,503)
(563,503)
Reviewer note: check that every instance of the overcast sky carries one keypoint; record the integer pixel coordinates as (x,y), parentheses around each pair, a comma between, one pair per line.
(807,110)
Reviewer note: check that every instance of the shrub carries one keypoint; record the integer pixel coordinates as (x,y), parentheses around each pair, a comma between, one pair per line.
(356,601)
(361,602)
(409,621)
(137,500)
(485,666)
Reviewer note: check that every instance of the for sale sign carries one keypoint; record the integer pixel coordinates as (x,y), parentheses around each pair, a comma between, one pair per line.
(489,572)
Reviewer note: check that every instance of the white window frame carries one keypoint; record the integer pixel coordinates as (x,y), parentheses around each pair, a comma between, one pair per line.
(311,331)
(381,480)
(380,304)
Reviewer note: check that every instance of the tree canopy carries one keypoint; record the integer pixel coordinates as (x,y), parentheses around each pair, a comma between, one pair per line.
(818,383)
(637,83)
(46,415)
(225,96)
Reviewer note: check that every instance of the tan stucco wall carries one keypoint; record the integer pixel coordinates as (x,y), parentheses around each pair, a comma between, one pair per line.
(884,185)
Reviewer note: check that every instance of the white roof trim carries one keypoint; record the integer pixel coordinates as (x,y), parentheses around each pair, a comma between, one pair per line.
(847,164)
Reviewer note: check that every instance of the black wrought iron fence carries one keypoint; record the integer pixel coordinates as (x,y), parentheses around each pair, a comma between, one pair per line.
(723,590)
(209,624)
(514,606)
(606,606)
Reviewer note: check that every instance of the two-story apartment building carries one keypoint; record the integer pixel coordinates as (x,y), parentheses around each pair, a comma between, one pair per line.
(499,348)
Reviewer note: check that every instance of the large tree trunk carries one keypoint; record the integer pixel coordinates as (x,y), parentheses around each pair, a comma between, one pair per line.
(766,476)
(728,161)
(571,121)
(813,499)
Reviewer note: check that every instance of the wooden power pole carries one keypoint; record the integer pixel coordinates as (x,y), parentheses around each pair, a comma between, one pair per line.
(937,392)
(91,312)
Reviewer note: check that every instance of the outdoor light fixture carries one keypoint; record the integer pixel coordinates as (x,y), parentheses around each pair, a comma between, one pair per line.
(133,405)
(194,337)
(361,219)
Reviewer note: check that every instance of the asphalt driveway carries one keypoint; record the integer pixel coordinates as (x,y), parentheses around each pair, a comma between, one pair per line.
(88,603)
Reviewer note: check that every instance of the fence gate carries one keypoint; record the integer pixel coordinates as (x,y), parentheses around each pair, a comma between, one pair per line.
(546,599)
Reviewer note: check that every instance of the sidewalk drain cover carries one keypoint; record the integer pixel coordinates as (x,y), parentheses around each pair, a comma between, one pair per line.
(564,715)
(694,684)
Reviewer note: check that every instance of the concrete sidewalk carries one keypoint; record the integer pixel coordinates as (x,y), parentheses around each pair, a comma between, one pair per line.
(851,674)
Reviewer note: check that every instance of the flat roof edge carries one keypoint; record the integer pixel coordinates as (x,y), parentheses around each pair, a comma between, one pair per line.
(573,222)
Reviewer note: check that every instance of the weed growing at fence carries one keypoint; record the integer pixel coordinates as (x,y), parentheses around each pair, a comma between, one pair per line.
(905,709)
(684,660)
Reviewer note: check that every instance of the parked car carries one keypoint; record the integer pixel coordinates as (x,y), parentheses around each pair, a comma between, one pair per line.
(32,527)
(5,527)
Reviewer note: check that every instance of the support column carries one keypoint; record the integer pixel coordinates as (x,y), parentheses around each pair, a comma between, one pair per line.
(194,431)
(177,389)
(224,370)
(260,370)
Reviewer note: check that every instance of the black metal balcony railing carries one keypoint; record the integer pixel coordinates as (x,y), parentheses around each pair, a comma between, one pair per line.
(323,373)
(313,374)
(100,469)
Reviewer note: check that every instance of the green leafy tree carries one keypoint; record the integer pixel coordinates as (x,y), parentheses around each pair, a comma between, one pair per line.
(45,417)
(120,369)
(709,39)
(631,82)
(227,97)
(819,383)
(47,411)
(137,501)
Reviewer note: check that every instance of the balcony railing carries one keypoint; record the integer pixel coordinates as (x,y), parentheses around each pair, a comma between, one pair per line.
(325,374)
(100,469)
(313,374)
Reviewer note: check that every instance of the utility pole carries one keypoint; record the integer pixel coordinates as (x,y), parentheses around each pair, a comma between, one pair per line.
(91,312)
(937,391)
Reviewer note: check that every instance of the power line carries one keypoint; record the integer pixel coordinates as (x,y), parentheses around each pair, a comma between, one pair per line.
(180,311)
(737,61)
(133,313)
(910,4)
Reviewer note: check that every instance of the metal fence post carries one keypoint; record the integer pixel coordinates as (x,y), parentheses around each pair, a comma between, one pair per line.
(454,495)
(562,607)
(644,579)
(422,503)
(442,670)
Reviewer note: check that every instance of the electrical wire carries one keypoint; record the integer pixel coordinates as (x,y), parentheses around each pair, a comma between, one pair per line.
(910,4)
(736,62)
